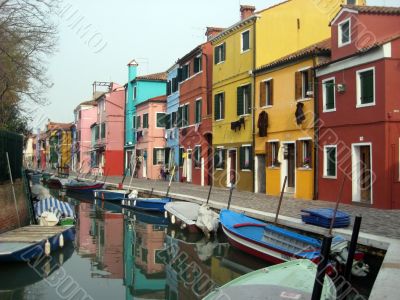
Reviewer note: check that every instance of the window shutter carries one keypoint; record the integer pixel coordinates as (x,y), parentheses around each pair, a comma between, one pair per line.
(251,157)
(223,158)
(299,154)
(268,150)
(216,107)
(310,153)
(187,115)
(179,76)
(167,121)
(241,157)
(239,101)
(263,99)
(215,55)
(271,92)
(179,121)
(154,156)
(310,80)
(298,85)
(223,52)
(166,155)
(222,112)
(216,158)
(247,90)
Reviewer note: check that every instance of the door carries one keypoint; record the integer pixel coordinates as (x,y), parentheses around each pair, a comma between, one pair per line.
(290,167)
(189,166)
(260,178)
(365,174)
(232,167)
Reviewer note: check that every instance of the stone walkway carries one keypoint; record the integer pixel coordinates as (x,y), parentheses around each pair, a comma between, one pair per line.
(385,223)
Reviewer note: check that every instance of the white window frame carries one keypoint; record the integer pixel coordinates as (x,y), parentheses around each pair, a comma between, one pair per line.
(358,87)
(265,81)
(324,94)
(219,45)
(246,146)
(325,175)
(241,41)
(340,33)
(201,64)
(220,154)
(221,107)
(159,112)
(244,102)
(159,149)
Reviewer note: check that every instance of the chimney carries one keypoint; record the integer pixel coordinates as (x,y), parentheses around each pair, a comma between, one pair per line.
(132,69)
(246,11)
(212,32)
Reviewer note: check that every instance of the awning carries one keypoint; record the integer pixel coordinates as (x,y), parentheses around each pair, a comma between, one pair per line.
(47,204)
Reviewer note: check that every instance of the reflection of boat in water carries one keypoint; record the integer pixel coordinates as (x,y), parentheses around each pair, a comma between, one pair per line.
(145,217)
(35,271)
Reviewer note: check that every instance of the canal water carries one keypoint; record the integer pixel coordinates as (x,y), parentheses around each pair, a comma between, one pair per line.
(122,254)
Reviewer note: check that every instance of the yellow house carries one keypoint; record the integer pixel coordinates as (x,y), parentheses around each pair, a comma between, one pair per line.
(286,36)
(232,92)
(59,143)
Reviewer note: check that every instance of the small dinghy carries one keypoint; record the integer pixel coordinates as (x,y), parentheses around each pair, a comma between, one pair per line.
(76,186)
(145,204)
(290,280)
(111,195)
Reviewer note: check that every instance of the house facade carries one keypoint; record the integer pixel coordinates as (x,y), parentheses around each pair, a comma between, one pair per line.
(109,137)
(358,109)
(285,119)
(58,145)
(137,90)
(232,90)
(172,130)
(151,154)
(195,114)
(85,115)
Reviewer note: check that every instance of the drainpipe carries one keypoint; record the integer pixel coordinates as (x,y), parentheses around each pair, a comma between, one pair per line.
(316,131)
(125,109)
(253,107)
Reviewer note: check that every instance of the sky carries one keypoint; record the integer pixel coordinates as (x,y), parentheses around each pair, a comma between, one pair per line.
(96,41)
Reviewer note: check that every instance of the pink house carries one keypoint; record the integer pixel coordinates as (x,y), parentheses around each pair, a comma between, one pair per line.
(85,115)
(150,135)
(109,132)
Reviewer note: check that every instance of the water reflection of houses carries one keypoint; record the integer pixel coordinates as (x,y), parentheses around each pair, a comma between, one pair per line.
(144,271)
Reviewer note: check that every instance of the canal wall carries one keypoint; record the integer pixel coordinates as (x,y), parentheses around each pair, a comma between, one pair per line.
(8,212)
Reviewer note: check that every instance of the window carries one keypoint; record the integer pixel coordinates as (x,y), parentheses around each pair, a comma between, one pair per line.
(328,95)
(344,37)
(145,120)
(103,130)
(219,54)
(185,115)
(219,158)
(304,153)
(245,41)
(266,93)
(330,161)
(181,152)
(134,93)
(158,156)
(198,111)
(138,122)
(174,86)
(167,121)
(173,119)
(134,122)
(303,84)
(96,132)
(246,157)
(366,87)
(197,67)
(243,100)
(169,87)
(185,72)
(197,156)
(219,106)
(272,154)
(160,120)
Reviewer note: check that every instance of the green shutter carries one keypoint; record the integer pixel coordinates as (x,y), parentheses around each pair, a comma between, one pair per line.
(216,108)
(240,101)
(154,156)
(251,158)
(223,52)
(215,55)
(330,94)
(367,86)
(247,90)
(241,157)
(179,121)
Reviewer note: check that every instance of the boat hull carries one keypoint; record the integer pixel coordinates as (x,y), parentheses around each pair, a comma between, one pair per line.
(84,188)
(110,195)
(146,204)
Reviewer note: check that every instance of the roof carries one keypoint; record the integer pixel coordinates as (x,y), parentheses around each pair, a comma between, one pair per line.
(234,27)
(57,126)
(161,99)
(162,76)
(272,6)
(321,48)
(190,54)
(381,10)
(90,102)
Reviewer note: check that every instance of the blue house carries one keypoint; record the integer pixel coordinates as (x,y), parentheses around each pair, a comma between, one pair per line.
(137,90)
(172,130)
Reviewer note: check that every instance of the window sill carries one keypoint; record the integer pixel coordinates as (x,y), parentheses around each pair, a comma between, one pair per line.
(274,167)
(244,51)
(221,62)
(245,170)
(303,99)
(329,177)
(365,105)
(344,44)
(304,169)
(219,120)
(329,110)
(219,169)
(266,106)
(245,115)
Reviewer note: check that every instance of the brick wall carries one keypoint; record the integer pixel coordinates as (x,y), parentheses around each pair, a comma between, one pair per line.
(8,215)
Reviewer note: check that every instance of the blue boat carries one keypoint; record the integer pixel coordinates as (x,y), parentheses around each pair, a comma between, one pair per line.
(26,243)
(147,204)
(323,217)
(111,195)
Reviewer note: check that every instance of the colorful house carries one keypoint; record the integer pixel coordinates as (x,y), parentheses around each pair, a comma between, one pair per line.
(138,89)
(172,131)
(85,115)
(358,109)
(109,137)
(195,113)
(284,116)
(232,89)
(58,145)
(284,93)
(151,154)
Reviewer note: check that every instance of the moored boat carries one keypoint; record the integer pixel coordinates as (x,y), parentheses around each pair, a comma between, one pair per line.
(111,195)
(146,204)
(83,186)
(290,280)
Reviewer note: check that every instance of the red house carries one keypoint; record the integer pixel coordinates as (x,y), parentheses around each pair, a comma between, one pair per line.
(194,113)
(359,109)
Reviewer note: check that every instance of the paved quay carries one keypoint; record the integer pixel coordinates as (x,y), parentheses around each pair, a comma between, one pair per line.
(383,223)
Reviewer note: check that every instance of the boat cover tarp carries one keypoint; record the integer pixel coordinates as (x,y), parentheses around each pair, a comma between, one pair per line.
(323,217)
(50,203)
